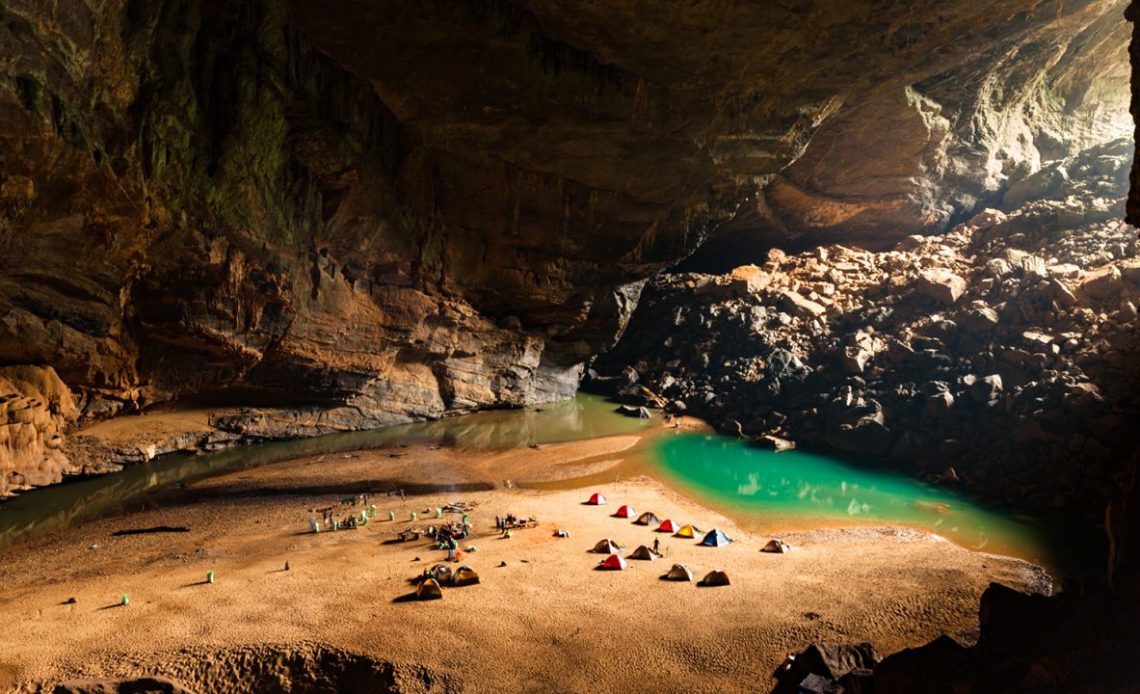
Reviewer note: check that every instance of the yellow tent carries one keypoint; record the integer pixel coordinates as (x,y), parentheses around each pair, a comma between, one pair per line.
(688,531)
(464,576)
(429,590)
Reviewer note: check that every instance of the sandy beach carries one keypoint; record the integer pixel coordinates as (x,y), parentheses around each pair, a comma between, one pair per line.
(546,621)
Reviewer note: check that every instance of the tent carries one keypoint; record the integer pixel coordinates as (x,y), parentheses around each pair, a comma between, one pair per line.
(688,531)
(441,572)
(715,578)
(776,547)
(679,572)
(647,518)
(596,499)
(606,547)
(464,576)
(715,538)
(625,512)
(613,563)
(643,552)
(429,590)
(667,526)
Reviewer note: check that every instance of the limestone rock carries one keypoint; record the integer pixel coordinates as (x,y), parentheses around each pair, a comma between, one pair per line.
(941,285)
(36,408)
(800,306)
(749,279)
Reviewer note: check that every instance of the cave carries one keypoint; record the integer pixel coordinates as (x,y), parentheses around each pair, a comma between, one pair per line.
(848,290)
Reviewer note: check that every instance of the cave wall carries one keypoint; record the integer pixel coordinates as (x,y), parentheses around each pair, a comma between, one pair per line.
(199,201)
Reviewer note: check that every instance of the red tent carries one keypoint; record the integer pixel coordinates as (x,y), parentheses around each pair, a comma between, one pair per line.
(613,563)
(596,499)
(626,512)
(667,526)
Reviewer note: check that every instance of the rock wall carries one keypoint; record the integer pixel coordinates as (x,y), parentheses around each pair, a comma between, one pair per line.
(1133,15)
(198,203)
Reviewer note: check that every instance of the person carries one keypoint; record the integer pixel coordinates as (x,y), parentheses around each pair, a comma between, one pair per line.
(452,545)
(656,546)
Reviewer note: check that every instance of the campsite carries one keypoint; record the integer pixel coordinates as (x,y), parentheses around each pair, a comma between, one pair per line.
(539,590)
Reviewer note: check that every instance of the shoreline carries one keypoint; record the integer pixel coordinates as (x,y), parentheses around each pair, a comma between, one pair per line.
(344,591)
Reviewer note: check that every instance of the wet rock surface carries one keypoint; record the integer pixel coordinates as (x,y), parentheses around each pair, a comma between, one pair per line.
(996,357)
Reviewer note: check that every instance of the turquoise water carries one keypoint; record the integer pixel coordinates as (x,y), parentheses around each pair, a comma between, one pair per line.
(50,508)
(740,479)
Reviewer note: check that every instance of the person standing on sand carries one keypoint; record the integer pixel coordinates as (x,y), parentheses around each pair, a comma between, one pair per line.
(657,546)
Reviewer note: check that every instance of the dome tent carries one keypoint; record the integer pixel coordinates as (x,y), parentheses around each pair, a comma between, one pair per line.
(613,563)
(715,538)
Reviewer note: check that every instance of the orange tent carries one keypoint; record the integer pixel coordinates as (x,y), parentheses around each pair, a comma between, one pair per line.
(596,499)
(613,563)
(625,512)
(667,526)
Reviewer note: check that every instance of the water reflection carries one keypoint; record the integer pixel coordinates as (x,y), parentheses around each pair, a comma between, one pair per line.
(50,508)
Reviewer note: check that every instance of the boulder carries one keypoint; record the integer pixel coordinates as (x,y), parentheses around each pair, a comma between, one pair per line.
(631,411)
(998,267)
(800,306)
(1033,266)
(749,279)
(1036,186)
(986,390)
(1061,294)
(1103,284)
(864,435)
(941,285)
(855,359)
(784,365)
(828,661)
(939,403)
(777,443)
(980,319)
(921,669)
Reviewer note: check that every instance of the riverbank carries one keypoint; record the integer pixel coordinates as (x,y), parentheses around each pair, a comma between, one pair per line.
(545,621)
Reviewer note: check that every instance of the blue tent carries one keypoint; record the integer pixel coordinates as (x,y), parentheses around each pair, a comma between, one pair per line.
(715,538)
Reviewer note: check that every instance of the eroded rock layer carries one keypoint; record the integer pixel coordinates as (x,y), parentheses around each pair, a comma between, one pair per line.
(396,211)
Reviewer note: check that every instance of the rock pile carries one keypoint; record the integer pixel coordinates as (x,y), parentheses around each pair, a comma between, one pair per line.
(997,356)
